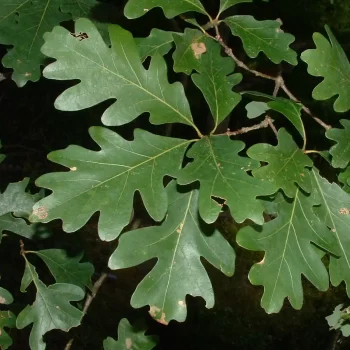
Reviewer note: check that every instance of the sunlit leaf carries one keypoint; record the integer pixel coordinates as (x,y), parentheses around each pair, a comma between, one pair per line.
(22,25)
(113,73)
(130,337)
(263,36)
(51,309)
(341,151)
(106,180)
(289,254)
(286,164)
(222,173)
(171,8)
(329,61)
(178,244)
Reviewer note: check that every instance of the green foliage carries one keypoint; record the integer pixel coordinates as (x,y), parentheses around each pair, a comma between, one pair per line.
(51,309)
(130,337)
(293,215)
(340,320)
(329,61)
(178,243)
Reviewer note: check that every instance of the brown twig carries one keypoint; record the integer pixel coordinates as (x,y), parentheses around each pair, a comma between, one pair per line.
(244,130)
(279,79)
(90,297)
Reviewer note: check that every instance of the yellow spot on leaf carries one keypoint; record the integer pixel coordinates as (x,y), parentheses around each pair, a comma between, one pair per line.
(344,211)
(128,343)
(73,168)
(2,300)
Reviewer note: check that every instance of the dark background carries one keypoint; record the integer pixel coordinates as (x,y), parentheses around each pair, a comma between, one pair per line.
(30,128)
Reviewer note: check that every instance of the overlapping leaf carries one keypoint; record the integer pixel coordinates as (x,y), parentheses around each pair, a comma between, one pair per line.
(106,180)
(329,61)
(286,164)
(136,8)
(335,212)
(341,151)
(16,205)
(286,241)
(263,36)
(7,319)
(51,309)
(22,25)
(225,4)
(339,320)
(130,337)
(256,109)
(113,73)
(290,109)
(214,79)
(65,268)
(158,42)
(344,178)
(222,173)
(178,243)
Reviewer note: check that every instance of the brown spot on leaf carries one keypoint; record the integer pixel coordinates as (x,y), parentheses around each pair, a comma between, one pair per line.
(41,213)
(27,74)
(344,211)
(155,312)
(302,174)
(198,49)
(128,343)
(2,300)
(181,303)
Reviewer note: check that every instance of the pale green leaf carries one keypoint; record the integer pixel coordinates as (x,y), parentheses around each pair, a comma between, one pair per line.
(329,61)
(171,8)
(289,254)
(340,320)
(335,212)
(130,337)
(8,320)
(113,73)
(256,109)
(22,25)
(178,244)
(5,296)
(286,164)
(106,180)
(214,77)
(16,205)
(225,4)
(51,309)
(158,42)
(265,36)
(66,268)
(341,151)
(222,173)
(344,178)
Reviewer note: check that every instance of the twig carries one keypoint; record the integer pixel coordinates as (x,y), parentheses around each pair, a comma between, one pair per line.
(271,125)
(90,297)
(278,79)
(244,130)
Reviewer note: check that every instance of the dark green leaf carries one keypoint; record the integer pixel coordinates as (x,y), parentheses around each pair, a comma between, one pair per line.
(329,61)
(286,241)
(171,8)
(286,164)
(178,243)
(51,309)
(8,320)
(225,4)
(106,180)
(2,156)
(113,73)
(265,36)
(344,178)
(335,212)
(341,151)
(65,268)
(158,42)
(222,173)
(130,337)
(22,25)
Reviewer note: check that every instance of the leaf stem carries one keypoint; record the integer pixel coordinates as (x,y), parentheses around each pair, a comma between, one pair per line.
(279,79)
(264,124)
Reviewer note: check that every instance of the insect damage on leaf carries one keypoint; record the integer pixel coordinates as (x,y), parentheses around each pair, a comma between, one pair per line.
(158,314)
(198,49)
(41,213)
